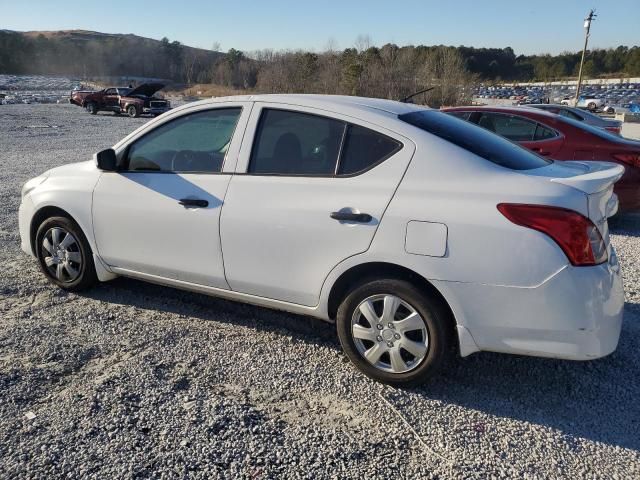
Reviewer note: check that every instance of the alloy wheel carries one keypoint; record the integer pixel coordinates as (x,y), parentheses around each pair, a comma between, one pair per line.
(389,333)
(61,254)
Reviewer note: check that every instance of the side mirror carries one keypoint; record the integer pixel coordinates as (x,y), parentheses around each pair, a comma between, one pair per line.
(106,160)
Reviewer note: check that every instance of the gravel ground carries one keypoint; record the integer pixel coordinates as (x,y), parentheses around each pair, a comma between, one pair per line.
(136,380)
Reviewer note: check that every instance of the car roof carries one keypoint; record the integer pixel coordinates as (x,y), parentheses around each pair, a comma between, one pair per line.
(327,102)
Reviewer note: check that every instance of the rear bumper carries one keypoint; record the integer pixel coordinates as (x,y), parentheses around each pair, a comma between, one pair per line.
(574,315)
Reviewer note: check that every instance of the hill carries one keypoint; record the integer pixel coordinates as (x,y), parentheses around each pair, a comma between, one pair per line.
(85,53)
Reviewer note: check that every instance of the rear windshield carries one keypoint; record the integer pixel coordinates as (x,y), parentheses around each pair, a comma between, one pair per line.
(591,129)
(475,139)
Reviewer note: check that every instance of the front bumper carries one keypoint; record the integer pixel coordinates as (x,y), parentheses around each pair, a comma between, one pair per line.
(155,110)
(575,315)
(25,214)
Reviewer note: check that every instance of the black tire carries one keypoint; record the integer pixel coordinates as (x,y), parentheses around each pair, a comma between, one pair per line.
(132,111)
(92,108)
(434,315)
(591,107)
(86,276)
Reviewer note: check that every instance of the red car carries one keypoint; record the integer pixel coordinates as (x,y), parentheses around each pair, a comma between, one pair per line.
(562,138)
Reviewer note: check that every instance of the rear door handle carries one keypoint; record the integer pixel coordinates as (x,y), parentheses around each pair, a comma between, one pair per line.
(193,202)
(351,217)
(541,152)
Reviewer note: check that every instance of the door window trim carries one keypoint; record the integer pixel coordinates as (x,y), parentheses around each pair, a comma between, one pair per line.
(124,167)
(346,126)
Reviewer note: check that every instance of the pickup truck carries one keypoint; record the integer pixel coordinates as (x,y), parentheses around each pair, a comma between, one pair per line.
(132,101)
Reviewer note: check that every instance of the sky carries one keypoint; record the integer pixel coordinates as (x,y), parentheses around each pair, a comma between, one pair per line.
(538,26)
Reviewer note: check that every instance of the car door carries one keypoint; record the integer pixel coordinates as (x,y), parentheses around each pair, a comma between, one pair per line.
(110,98)
(159,214)
(527,132)
(310,190)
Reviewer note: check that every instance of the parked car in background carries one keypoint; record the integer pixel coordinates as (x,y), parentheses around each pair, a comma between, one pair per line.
(132,101)
(562,138)
(590,102)
(412,230)
(613,126)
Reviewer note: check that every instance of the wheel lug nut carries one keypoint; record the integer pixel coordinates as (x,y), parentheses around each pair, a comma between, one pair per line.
(389,344)
(397,336)
(390,325)
(380,326)
(379,338)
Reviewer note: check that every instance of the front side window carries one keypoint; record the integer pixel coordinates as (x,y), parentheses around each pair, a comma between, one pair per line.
(195,142)
(110,91)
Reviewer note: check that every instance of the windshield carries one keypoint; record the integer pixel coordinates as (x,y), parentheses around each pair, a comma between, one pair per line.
(475,139)
(124,91)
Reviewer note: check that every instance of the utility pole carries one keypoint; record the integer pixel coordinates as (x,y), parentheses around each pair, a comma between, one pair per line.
(587,27)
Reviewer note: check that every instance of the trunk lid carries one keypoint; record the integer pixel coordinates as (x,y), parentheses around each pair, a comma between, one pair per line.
(595,180)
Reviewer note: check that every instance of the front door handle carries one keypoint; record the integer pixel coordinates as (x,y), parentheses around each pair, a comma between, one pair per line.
(193,202)
(351,217)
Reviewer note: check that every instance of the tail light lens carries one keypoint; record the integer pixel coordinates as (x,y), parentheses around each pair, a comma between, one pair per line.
(574,233)
(615,130)
(630,158)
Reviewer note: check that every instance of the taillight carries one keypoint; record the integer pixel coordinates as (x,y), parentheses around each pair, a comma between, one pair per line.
(574,233)
(632,158)
(615,130)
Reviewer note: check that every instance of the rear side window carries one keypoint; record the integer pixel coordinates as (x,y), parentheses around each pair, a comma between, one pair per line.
(461,115)
(512,127)
(569,114)
(296,143)
(475,140)
(543,133)
(364,148)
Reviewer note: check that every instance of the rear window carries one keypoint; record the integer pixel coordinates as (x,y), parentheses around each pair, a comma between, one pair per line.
(591,129)
(475,139)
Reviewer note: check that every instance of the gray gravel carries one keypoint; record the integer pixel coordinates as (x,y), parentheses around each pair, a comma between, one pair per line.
(136,380)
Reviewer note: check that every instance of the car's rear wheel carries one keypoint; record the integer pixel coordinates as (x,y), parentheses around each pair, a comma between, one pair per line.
(132,111)
(92,108)
(393,332)
(64,254)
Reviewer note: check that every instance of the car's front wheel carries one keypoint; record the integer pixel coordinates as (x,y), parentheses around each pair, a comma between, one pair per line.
(64,254)
(132,111)
(393,332)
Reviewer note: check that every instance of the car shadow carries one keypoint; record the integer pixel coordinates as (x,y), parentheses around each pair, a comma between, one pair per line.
(627,224)
(594,400)
(148,296)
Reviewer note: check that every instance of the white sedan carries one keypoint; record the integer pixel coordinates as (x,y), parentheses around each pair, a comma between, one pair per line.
(417,233)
